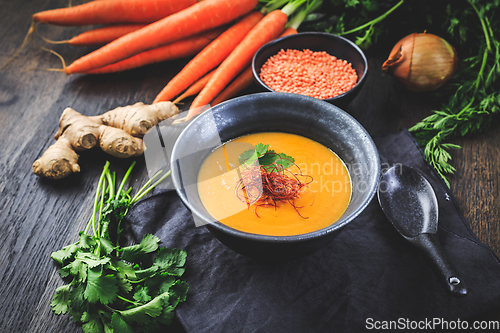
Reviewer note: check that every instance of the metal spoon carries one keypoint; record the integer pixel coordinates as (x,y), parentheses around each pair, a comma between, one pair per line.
(409,202)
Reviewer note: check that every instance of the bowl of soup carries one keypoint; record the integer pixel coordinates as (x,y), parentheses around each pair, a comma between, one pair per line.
(275,176)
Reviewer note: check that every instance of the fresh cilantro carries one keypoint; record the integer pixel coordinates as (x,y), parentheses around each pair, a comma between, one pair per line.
(171,261)
(120,325)
(160,283)
(91,259)
(268,159)
(60,302)
(78,269)
(134,253)
(146,312)
(100,287)
(117,289)
(64,253)
(142,295)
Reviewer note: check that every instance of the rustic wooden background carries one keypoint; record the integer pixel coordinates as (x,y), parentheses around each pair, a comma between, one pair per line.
(38,216)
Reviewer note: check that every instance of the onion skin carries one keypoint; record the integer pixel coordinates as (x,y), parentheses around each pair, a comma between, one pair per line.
(422,62)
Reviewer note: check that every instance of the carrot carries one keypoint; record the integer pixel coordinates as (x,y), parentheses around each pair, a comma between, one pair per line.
(209,58)
(113,11)
(199,17)
(269,28)
(184,48)
(98,36)
(243,80)
(288,31)
(195,88)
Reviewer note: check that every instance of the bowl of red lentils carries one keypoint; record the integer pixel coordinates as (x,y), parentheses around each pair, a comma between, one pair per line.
(316,64)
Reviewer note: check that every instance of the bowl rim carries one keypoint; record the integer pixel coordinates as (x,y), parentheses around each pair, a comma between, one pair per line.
(268,238)
(311,33)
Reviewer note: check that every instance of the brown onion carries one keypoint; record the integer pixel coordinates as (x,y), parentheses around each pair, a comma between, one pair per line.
(422,62)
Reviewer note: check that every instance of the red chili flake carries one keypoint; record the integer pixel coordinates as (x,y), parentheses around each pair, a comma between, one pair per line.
(315,74)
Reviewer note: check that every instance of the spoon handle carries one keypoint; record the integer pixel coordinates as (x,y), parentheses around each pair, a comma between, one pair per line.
(448,276)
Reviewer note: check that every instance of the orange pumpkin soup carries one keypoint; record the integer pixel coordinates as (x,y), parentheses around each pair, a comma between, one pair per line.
(324,196)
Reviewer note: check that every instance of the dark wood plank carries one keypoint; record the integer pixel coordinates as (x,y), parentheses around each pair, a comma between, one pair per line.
(476,184)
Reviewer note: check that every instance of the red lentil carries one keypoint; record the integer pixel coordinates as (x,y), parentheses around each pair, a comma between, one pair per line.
(315,74)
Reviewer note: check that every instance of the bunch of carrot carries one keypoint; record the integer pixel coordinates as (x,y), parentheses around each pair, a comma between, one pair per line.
(223,34)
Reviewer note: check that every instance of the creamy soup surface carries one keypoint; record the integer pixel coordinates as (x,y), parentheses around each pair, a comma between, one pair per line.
(320,204)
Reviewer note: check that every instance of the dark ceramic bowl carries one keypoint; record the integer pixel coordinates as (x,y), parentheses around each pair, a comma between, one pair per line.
(276,112)
(334,45)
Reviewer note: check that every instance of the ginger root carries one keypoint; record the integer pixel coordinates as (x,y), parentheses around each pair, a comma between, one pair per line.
(118,133)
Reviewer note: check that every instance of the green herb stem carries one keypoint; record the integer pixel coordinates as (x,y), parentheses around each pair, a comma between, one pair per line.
(96,200)
(138,281)
(145,186)
(372,22)
(122,184)
(111,184)
(483,25)
(98,234)
(142,193)
(128,300)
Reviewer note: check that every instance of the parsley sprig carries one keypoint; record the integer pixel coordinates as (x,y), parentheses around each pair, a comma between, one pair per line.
(268,159)
(114,288)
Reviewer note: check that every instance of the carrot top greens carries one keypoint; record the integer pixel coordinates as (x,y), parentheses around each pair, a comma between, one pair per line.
(470,101)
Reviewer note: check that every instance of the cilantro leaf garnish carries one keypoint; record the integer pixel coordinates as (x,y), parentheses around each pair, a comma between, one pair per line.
(268,159)
(250,156)
(115,288)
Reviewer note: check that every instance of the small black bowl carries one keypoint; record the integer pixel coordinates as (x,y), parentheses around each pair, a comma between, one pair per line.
(276,112)
(334,45)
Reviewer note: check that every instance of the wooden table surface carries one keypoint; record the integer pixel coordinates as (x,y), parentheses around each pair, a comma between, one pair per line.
(38,216)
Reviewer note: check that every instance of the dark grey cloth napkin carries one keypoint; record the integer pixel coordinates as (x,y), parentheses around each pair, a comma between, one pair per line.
(368,277)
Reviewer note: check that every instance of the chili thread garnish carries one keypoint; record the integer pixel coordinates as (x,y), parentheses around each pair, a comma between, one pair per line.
(272,184)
